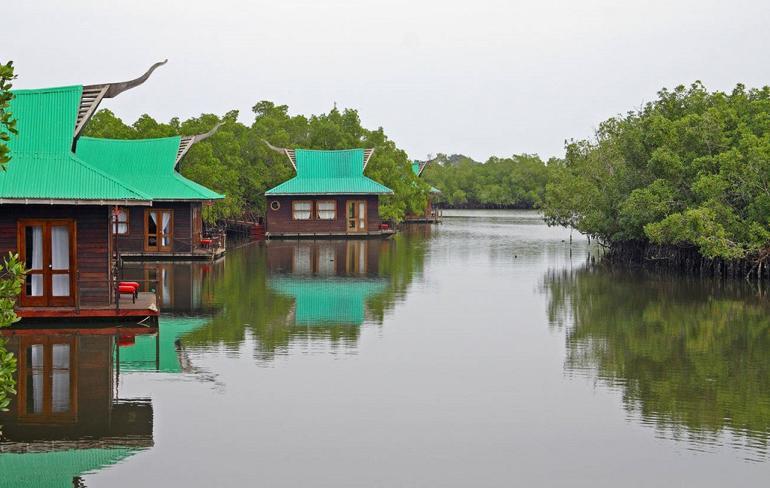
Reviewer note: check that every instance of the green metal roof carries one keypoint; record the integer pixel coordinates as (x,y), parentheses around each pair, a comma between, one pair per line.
(42,165)
(141,355)
(147,164)
(333,301)
(330,173)
(55,469)
(417,172)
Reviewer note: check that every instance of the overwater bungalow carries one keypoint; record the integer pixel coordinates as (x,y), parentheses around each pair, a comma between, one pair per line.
(171,228)
(67,418)
(55,207)
(430,215)
(329,196)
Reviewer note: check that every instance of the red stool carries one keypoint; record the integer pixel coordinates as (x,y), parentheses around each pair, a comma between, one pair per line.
(130,283)
(127,289)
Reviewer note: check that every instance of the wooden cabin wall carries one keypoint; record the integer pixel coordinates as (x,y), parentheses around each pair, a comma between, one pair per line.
(352,257)
(182,227)
(92,374)
(92,227)
(280,221)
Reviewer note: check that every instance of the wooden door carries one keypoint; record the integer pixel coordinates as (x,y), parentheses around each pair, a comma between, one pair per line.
(356,216)
(47,249)
(47,390)
(158,230)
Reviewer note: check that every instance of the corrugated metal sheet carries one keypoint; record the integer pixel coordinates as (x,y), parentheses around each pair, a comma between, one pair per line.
(57,469)
(146,164)
(42,164)
(334,301)
(329,173)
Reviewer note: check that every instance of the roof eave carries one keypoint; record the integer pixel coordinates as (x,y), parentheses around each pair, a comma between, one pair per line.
(281,194)
(72,201)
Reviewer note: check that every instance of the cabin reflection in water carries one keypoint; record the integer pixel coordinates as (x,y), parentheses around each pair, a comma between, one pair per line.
(67,418)
(182,288)
(325,258)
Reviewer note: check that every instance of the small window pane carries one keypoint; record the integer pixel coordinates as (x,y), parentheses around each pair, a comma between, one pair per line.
(61,356)
(34,285)
(301,210)
(61,285)
(327,210)
(122,221)
(33,238)
(326,260)
(301,262)
(35,378)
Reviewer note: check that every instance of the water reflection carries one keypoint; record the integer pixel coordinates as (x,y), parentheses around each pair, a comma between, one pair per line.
(287,293)
(67,418)
(691,358)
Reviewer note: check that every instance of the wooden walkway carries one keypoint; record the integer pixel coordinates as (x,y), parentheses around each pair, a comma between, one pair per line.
(202,254)
(146,306)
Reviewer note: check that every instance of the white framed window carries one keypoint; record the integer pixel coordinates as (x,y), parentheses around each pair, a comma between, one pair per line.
(326,210)
(120,221)
(301,210)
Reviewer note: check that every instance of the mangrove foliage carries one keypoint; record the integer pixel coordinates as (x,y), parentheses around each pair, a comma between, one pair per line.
(689,171)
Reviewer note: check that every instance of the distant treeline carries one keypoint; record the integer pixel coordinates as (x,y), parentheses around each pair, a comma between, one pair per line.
(236,161)
(515,182)
(685,180)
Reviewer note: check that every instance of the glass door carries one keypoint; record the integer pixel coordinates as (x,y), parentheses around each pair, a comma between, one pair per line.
(158,234)
(47,379)
(46,248)
(356,216)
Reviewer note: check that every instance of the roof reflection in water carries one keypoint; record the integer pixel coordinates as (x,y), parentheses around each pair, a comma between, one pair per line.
(67,418)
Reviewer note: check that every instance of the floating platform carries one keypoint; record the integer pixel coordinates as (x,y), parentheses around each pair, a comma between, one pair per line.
(384,233)
(145,306)
(196,255)
(422,220)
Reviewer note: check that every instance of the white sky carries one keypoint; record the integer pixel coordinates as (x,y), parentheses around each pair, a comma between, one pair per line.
(480,77)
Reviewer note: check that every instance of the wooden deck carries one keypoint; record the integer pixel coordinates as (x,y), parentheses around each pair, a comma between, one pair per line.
(145,306)
(196,255)
(422,220)
(330,235)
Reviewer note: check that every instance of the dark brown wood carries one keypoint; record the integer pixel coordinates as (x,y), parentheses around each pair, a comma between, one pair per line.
(181,224)
(145,306)
(280,222)
(90,258)
(47,415)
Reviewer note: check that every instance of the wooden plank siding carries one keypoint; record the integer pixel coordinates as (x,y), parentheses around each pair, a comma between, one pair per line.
(182,227)
(281,222)
(93,256)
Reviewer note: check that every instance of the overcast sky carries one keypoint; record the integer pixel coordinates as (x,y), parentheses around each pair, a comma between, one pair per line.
(479,77)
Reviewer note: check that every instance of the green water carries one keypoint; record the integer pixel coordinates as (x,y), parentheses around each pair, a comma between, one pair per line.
(485,351)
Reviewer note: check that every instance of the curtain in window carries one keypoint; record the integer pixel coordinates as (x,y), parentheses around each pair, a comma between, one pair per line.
(326,260)
(60,260)
(122,221)
(301,260)
(166,240)
(301,210)
(35,381)
(34,236)
(60,387)
(361,215)
(327,210)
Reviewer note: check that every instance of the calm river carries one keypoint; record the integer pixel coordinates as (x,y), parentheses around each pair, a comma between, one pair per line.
(485,351)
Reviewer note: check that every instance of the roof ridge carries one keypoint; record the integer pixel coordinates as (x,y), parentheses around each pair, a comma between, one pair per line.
(146,139)
(49,89)
(332,150)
